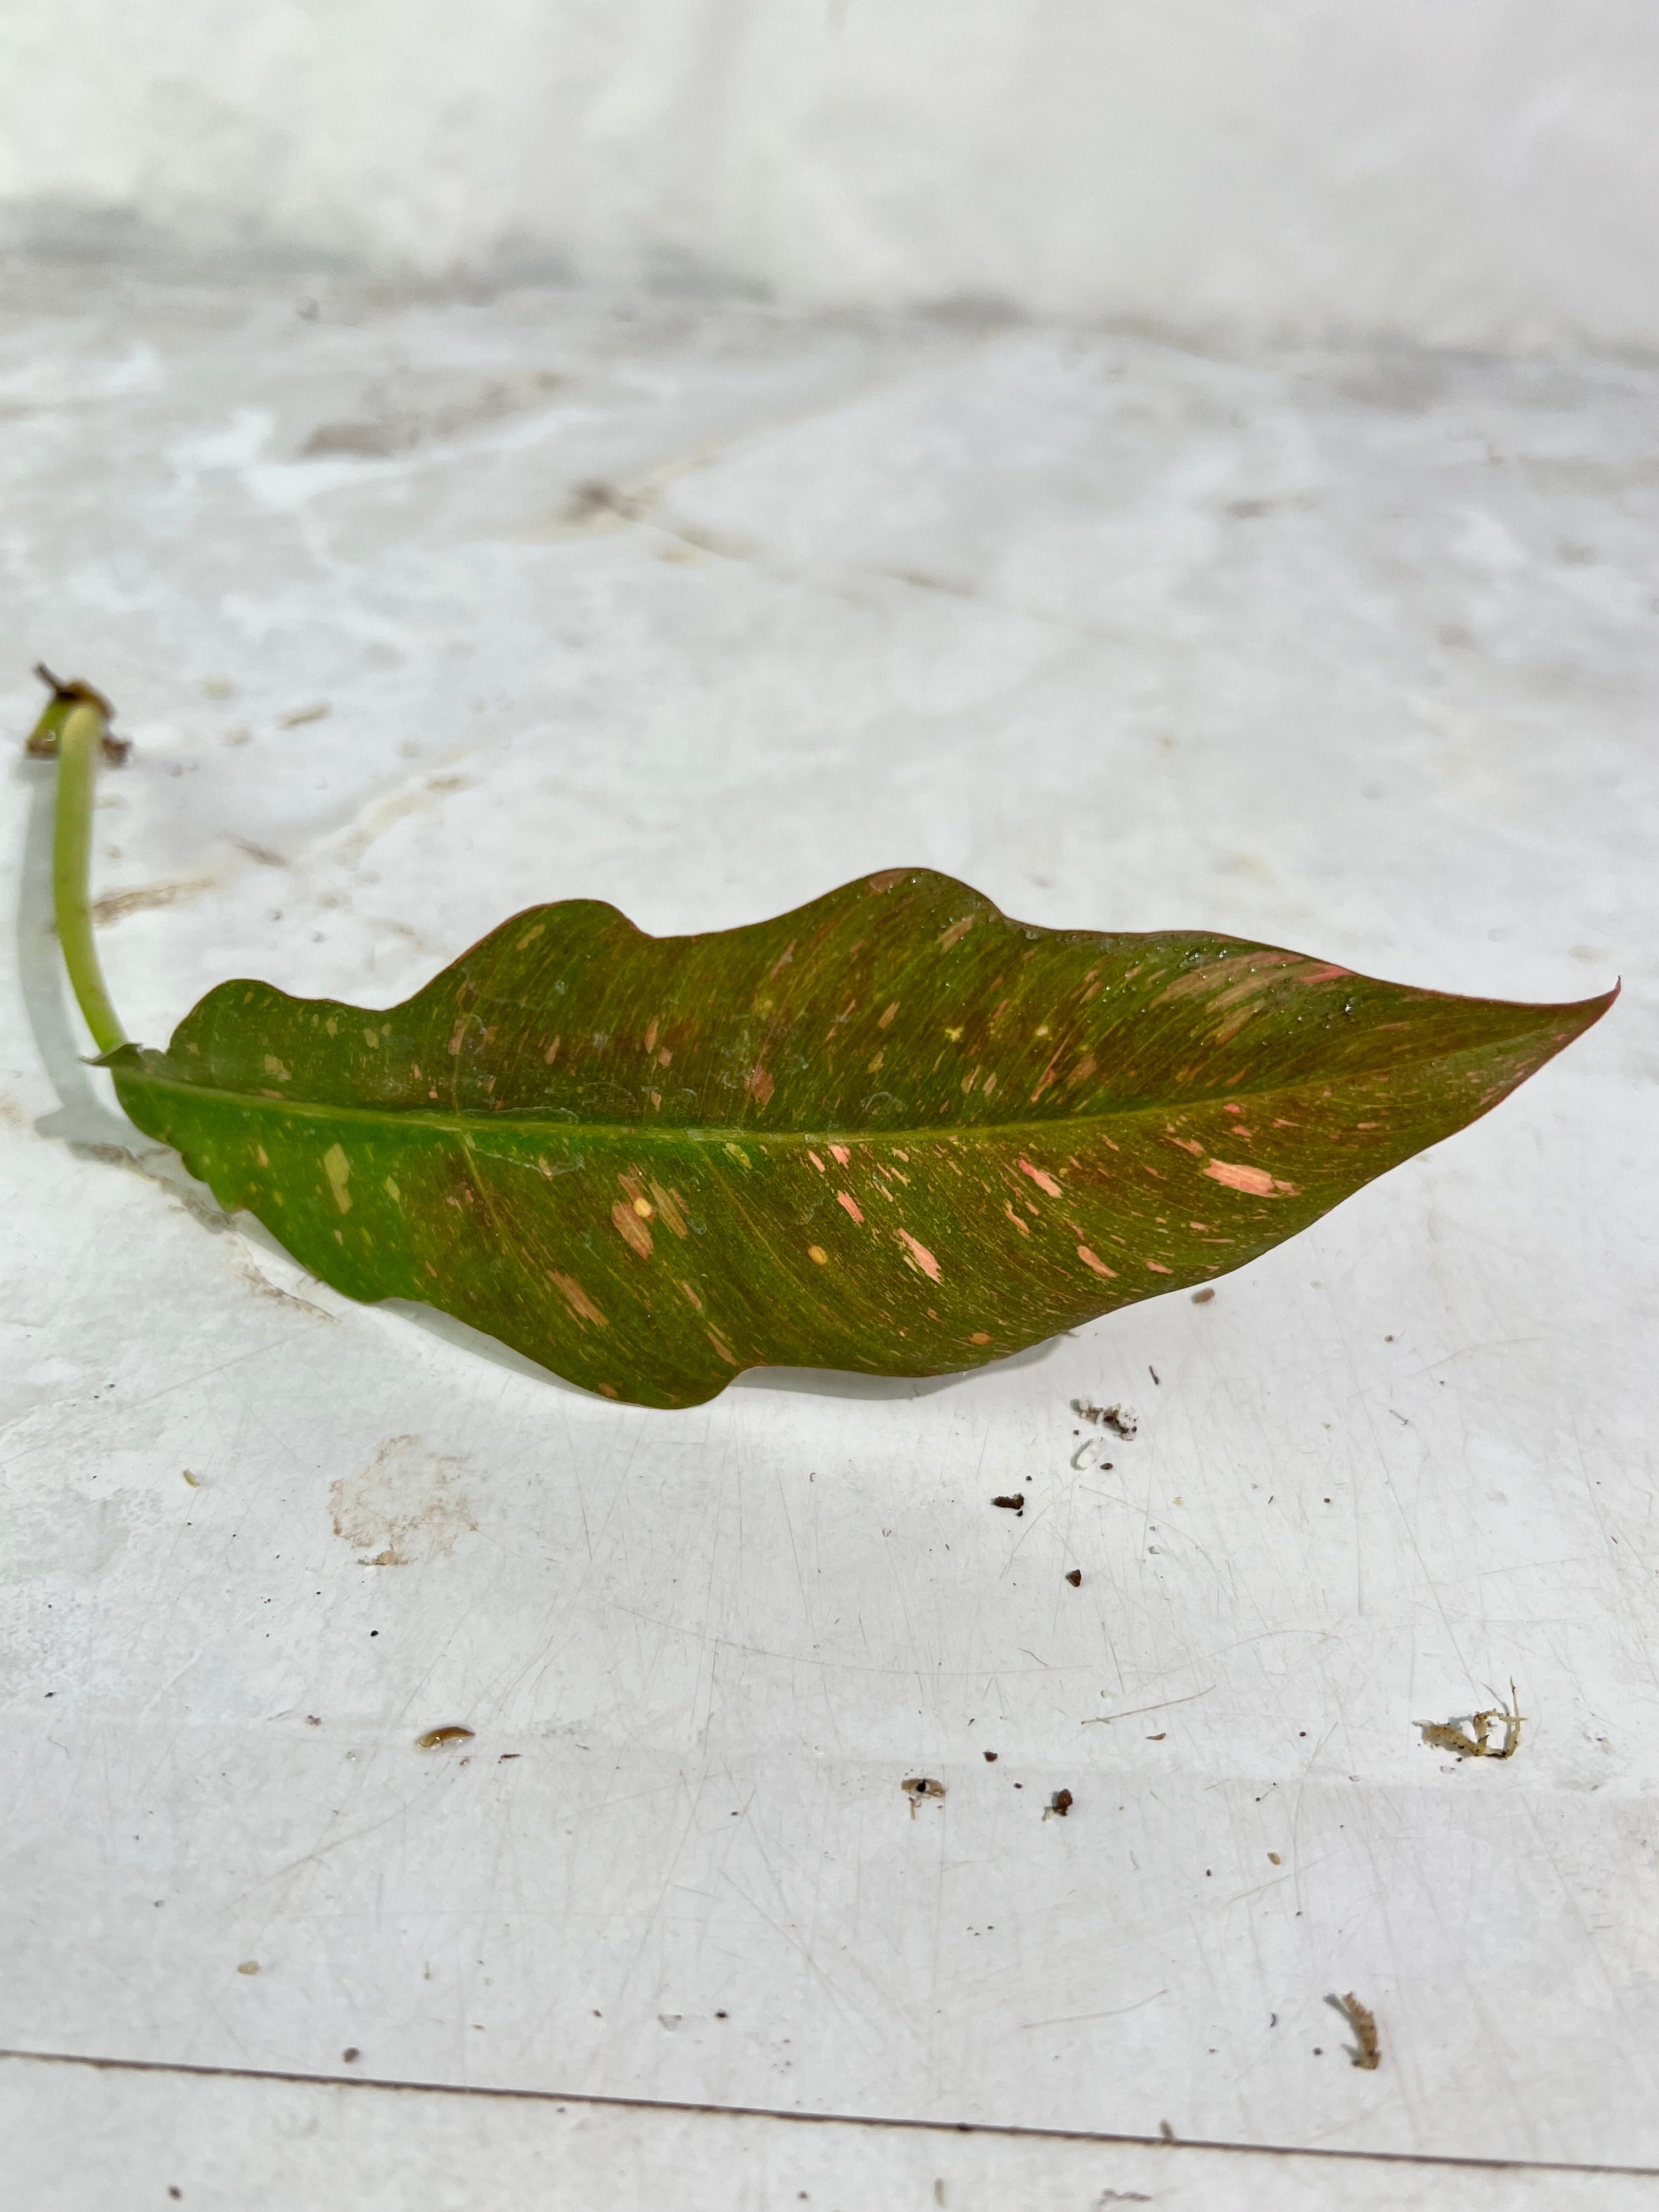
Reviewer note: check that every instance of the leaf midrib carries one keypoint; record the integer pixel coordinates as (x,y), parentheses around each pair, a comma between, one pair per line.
(470,1124)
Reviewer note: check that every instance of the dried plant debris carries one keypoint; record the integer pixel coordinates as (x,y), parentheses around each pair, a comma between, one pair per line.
(1365,2052)
(1013,1503)
(1468,1736)
(920,1786)
(1059,1805)
(436,1739)
(1122,1420)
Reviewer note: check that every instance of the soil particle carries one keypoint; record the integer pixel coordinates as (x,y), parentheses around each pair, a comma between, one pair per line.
(1075,1578)
(1059,1805)
(1015,1503)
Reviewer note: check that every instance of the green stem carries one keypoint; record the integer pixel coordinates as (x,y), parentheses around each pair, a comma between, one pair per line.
(80,743)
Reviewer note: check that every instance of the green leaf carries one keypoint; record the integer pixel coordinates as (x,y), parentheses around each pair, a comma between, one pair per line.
(893,1131)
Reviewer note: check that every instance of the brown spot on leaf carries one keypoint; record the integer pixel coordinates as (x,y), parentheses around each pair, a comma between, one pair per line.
(632,1230)
(581,1306)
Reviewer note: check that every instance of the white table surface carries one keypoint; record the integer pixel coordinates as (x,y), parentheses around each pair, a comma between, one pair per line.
(704,611)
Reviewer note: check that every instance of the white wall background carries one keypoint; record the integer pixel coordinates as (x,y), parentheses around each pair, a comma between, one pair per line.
(1463,171)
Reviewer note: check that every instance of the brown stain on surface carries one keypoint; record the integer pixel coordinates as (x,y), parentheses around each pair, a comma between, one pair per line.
(118,905)
(405,1506)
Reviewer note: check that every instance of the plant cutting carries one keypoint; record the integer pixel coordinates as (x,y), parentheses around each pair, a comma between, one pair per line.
(895,1131)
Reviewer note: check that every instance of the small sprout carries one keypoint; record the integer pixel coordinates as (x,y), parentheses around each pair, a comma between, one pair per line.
(920,1786)
(436,1739)
(1468,1736)
(1366,2053)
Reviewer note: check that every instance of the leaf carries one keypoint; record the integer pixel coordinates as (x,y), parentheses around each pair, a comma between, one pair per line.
(893,1131)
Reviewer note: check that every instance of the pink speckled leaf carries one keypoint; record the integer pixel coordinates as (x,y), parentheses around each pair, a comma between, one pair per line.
(893,1131)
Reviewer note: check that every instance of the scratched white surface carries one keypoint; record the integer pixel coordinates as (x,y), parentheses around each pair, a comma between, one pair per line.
(1351,651)
(78,2136)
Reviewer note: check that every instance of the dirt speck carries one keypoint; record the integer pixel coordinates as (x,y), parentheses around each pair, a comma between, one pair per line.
(350,2054)
(990,1758)
(1202,1297)
(1365,2052)
(1058,1806)
(1121,1419)
(1075,1579)
(1468,1736)
(1013,1503)
(248,1966)
(919,1786)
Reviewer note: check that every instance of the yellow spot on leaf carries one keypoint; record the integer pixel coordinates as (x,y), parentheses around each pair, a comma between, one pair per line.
(393,1192)
(274,1066)
(818,1253)
(338,1168)
(262,1155)
(882,1020)
(1090,1259)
